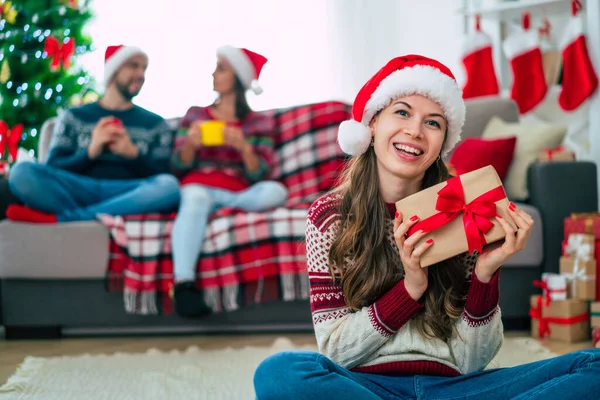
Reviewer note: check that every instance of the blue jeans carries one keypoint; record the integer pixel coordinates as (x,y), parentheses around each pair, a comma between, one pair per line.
(74,197)
(198,202)
(308,375)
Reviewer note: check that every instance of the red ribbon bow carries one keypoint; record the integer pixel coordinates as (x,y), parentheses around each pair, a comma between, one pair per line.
(476,214)
(59,52)
(11,138)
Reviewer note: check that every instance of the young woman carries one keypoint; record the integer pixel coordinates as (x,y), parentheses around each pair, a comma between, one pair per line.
(385,327)
(228,175)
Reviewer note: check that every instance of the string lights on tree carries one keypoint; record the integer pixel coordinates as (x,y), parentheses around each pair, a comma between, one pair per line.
(40,42)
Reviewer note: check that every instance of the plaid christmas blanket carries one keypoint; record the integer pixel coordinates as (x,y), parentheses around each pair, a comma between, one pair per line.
(247,258)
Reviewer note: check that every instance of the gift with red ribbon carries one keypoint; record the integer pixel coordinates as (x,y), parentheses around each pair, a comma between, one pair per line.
(554,286)
(459,215)
(9,140)
(59,52)
(559,153)
(564,320)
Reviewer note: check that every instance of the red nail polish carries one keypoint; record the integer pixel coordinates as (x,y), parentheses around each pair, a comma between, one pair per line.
(397,214)
(429,241)
(512,205)
(414,218)
(499,216)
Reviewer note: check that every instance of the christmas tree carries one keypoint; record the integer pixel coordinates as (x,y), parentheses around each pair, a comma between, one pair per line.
(39,44)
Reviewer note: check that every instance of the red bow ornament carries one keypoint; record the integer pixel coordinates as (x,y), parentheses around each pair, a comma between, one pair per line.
(477,214)
(60,53)
(10,138)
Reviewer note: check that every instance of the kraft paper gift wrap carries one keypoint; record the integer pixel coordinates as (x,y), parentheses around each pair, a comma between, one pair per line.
(459,214)
(565,320)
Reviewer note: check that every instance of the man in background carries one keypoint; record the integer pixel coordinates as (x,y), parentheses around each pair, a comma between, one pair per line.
(108,157)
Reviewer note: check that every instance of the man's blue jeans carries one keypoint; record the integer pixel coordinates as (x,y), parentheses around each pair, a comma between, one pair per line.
(73,197)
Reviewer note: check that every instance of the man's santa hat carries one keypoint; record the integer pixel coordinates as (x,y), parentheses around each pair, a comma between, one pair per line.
(247,65)
(404,76)
(115,57)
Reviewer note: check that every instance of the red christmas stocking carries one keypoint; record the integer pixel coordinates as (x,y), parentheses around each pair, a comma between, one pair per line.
(579,79)
(479,64)
(529,83)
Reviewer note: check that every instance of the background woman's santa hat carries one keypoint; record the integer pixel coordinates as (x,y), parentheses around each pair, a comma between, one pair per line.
(403,76)
(115,57)
(247,65)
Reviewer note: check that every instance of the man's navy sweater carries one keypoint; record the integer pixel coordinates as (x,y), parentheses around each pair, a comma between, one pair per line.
(148,131)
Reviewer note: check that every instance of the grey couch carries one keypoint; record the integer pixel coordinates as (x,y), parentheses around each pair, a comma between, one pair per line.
(47,291)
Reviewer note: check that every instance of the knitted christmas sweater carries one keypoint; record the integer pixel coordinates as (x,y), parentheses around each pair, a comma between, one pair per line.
(383,337)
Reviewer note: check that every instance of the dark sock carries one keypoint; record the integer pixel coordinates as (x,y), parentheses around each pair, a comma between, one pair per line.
(189,300)
(20,213)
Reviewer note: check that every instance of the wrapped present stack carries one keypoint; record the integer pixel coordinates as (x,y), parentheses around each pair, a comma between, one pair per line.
(588,224)
(557,317)
(578,266)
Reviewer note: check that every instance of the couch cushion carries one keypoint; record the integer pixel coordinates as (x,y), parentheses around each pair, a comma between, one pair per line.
(533,254)
(474,153)
(480,110)
(71,250)
(532,139)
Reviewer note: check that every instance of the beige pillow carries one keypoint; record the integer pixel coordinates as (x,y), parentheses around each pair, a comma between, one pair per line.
(532,139)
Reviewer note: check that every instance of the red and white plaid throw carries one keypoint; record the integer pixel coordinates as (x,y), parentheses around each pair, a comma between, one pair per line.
(247,258)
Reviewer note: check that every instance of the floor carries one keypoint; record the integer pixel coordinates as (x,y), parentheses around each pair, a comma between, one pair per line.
(13,352)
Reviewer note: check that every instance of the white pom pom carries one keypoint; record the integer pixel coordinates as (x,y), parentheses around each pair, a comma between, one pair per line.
(256,87)
(354,138)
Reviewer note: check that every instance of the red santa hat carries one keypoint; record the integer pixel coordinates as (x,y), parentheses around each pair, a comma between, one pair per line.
(115,56)
(247,65)
(403,76)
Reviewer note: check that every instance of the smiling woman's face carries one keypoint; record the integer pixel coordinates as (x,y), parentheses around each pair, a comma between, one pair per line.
(408,137)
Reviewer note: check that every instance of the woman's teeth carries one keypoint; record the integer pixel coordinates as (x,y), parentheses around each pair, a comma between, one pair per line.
(408,149)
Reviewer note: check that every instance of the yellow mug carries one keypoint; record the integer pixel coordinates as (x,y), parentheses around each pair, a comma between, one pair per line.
(211,133)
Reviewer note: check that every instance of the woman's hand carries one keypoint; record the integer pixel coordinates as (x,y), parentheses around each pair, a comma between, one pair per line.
(415,277)
(194,135)
(496,254)
(234,137)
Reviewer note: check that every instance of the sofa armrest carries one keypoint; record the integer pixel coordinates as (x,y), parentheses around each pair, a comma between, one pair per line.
(558,189)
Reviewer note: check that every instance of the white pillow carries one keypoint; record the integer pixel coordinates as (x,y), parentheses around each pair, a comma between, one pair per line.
(532,139)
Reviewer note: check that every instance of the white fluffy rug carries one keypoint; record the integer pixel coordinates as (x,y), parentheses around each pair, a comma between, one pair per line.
(192,374)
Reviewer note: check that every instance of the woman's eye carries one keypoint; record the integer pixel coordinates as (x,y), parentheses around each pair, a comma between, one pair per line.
(403,113)
(434,123)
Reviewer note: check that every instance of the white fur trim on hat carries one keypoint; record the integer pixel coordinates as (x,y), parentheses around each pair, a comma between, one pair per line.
(116,60)
(241,64)
(429,82)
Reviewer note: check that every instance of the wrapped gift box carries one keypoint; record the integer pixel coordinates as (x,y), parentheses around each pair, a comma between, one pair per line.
(568,250)
(581,277)
(556,154)
(441,212)
(553,286)
(595,314)
(582,223)
(565,320)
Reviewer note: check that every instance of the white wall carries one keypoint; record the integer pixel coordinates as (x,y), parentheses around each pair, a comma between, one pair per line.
(317,49)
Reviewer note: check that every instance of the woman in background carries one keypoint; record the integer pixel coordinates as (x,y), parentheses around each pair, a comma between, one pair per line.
(232,174)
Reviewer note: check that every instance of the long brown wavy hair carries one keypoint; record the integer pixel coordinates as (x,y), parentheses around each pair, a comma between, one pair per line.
(363,238)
